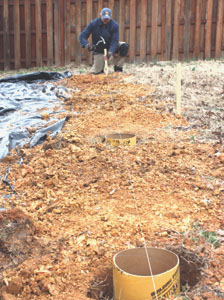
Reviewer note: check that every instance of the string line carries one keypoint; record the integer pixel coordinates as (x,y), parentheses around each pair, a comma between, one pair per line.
(134,197)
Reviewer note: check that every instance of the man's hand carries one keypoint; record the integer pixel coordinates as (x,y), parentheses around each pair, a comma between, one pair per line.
(88,47)
(110,56)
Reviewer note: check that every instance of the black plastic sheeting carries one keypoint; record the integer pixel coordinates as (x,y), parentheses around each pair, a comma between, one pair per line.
(36,76)
(22,99)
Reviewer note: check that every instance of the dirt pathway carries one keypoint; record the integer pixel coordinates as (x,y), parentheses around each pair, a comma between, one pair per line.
(78,201)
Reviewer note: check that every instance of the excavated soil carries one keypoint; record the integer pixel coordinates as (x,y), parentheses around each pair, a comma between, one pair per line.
(69,205)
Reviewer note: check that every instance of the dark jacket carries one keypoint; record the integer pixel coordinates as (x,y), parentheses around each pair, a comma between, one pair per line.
(110,33)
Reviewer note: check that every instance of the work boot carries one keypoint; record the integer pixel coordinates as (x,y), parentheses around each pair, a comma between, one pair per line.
(118,69)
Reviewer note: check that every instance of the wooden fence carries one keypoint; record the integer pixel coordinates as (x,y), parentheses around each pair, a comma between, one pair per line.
(46,32)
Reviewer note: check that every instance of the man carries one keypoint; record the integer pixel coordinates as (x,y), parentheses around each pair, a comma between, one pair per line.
(105,35)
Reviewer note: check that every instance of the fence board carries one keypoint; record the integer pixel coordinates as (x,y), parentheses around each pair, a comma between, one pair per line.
(57,44)
(39,57)
(111,6)
(192,28)
(138,31)
(219,29)
(22,35)
(62,32)
(197,29)
(187,28)
(6,48)
(163,24)
(121,20)
(89,16)
(168,30)
(181,30)
(154,29)
(143,29)
(78,30)
(89,11)
(28,33)
(17,35)
(67,43)
(159,27)
(132,30)
(126,21)
(49,33)
(100,6)
(73,36)
(176,30)
(208,29)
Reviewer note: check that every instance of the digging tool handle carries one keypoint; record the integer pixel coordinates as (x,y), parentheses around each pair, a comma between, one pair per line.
(106,62)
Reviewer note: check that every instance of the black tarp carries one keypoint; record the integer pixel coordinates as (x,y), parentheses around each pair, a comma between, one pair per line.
(36,76)
(23,99)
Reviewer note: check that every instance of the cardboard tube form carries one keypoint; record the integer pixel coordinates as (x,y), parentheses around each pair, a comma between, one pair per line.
(119,139)
(132,277)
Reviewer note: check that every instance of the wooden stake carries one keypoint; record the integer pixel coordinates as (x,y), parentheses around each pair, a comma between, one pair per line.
(178,89)
(106,62)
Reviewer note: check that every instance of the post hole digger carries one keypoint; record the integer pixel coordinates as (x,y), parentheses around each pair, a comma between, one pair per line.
(105,56)
(108,57)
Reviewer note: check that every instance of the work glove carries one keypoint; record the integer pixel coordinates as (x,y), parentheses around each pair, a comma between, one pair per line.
(88,47)
(110,56)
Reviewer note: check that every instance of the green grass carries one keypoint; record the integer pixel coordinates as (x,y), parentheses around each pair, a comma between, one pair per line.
(209,236)
(192,139)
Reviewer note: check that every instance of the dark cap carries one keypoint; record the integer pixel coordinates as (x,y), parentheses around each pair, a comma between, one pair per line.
(106,13)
